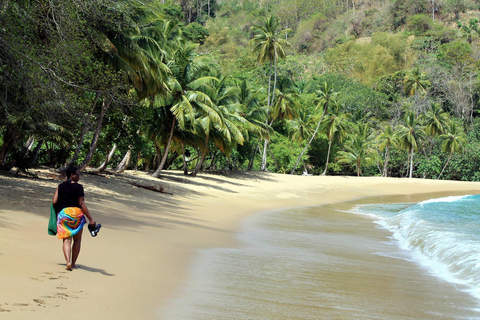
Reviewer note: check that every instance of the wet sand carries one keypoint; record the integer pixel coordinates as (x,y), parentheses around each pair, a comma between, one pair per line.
(340,266)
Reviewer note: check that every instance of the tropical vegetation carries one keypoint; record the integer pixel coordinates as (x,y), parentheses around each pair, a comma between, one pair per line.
(377,87)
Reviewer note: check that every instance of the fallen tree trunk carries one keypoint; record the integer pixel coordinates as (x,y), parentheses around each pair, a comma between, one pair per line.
(152,188)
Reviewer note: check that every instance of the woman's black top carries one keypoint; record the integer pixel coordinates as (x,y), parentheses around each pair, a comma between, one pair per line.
(68,195)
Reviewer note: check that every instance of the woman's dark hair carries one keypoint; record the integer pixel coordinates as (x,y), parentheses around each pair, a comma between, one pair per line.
(70,171)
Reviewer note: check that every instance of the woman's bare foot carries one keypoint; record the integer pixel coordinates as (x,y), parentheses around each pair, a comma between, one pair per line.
(69,266)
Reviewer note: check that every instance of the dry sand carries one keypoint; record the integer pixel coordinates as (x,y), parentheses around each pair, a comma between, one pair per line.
(142,254)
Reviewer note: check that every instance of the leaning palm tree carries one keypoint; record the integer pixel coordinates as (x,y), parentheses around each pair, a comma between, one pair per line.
(453,140)
(269,47)
(336,126)
(185,95)
(415,81)
(212,121)
(327,96)
(410,135)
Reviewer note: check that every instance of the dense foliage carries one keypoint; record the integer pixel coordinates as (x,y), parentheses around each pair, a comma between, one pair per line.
(378,87)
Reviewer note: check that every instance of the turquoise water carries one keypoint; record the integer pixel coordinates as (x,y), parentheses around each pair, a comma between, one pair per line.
(442,234)
(375,261)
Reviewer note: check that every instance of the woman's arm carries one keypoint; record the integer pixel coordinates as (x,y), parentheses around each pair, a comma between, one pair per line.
(85,211)
(55,197)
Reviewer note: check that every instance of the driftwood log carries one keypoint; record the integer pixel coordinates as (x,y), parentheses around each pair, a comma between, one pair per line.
(152,188)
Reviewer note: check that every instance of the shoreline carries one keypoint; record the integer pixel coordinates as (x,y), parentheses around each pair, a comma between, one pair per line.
(375,260)
(142,255)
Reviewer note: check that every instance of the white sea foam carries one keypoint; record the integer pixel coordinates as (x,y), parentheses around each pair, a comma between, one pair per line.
(445,199)
(440,235)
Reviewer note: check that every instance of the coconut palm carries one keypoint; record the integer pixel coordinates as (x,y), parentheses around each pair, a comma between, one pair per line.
(358,149)
(386,139)
(285,105)
(326,96)
(470,29)
(410,135)
(185,96)
(453,140)
(213,122)
(301,128)
(269,47)
(435,120)
(335,126)
(255,113)
(415,81)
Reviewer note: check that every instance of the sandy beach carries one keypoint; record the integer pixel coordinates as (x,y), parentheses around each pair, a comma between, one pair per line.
(141,257)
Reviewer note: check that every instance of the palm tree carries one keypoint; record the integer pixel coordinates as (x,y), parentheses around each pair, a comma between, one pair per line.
(435,120)
(327,96)
(415,81)
(184,96)
(469,29)
(301,128)
(269,46)
(335,125)
(410,135)
(255,113)
(286,105)
(453,140)
(386,139)
(213,121)
(358,149)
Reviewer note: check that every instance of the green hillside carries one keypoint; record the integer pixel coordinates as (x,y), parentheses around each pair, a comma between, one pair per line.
(320,87)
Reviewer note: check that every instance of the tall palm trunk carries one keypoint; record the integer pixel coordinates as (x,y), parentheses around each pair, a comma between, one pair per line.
(109,156)
(328,156)
(310,141)
(93,145)
(274,74)
(252,159)
(122,166)
(446,164)
(185,166)
(167,148)
(385,165)
(201,158)
(265,146)
(411,165)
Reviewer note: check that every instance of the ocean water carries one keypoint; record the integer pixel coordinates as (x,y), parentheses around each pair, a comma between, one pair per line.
(372,261)
(442,234)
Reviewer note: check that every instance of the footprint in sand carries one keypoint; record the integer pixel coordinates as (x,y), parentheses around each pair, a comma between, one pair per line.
(39,301)
(4,310)
(21,304)
(65,295)
(36,279)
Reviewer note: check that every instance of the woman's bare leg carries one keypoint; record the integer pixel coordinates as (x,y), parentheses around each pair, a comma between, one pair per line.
(67,251)
(77,243)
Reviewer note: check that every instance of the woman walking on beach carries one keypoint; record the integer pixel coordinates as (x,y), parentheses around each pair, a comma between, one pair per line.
(70,205)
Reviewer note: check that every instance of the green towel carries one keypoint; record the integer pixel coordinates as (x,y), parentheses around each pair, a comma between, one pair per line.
(52,222)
